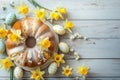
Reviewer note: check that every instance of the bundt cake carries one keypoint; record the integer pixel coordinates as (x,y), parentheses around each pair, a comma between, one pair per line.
(27,53)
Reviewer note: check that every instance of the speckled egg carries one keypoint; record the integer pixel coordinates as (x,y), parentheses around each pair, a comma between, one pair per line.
(52,68)
(63,47)
(2,46)
(59,29)
(18,73)
(10,19)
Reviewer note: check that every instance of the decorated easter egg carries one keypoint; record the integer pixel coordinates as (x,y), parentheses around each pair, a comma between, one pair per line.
(52,68)
(10,19)
(18,72)
(63,47)
(59,29)
(2,46)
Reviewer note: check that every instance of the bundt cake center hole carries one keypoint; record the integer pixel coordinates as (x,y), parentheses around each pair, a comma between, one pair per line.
(30,42)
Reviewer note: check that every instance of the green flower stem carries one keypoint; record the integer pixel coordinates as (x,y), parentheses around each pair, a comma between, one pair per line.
(83,77)
(37,5)
(11,73)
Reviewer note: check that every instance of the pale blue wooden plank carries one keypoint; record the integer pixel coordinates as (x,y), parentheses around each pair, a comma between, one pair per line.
(81,9)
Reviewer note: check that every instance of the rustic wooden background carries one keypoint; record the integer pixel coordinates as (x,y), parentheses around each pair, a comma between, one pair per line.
(99,20)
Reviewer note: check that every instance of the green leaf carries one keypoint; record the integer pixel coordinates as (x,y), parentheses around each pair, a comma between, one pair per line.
(36,4)
(11,73)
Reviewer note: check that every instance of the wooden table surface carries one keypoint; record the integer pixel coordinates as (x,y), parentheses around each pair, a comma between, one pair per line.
(99,20)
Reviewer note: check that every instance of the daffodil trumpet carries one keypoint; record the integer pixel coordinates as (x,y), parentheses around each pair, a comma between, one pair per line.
(69,25)
(83,71)
(3,31)
(62,10)
(40,13)
(67,71)
(15,35)
(37,74)
(44,44)
(6,63)
(58,58)
(23,9)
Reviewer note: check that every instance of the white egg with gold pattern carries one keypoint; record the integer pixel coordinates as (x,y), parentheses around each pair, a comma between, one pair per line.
(63,47)
(59,29)
(18,73)
(52,68)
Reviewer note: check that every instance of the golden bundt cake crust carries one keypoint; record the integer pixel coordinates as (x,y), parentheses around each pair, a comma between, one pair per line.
(31,30)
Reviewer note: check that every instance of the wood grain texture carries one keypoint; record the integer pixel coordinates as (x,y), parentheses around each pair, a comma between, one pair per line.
(95,48)
(95,29)
(99,20)
(81,9)
(87,9)
(96,68)
(6,78)
(111,67)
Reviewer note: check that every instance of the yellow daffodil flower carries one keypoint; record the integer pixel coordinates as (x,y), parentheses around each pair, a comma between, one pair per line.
(69,25)
(67,71)
(40,13)
(3,31)
(23,9)
(15,36)
(6,63)
(55,15)
(45,43)
(62,10)
(83,70)
(37,74)
(58,58)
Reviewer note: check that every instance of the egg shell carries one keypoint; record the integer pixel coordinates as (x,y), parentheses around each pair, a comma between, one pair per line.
(18,73)
(52,68)
(2,46)
(63,47)
(10,19)
(59,29)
